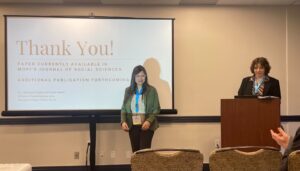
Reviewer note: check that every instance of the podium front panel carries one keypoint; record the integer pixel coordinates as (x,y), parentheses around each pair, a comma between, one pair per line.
(247,122)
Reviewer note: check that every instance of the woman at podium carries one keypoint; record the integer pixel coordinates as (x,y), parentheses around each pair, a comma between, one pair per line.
(139,110)
(260,83)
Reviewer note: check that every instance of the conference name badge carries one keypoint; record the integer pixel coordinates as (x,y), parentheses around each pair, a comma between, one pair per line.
(136,119)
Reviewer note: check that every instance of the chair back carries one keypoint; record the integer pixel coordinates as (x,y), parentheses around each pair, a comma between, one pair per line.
(167,160)
(236,159)
(294,161)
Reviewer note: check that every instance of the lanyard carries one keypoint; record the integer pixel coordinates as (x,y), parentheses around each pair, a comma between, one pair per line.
(256,86)
(137,96)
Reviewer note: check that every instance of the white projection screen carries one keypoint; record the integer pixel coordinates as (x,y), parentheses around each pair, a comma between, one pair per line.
(59,65)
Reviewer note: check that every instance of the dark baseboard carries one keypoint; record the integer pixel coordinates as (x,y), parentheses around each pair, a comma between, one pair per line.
(125,167)
(116,119)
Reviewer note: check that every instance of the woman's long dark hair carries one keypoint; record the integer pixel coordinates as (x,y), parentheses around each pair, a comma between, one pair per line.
(133,85)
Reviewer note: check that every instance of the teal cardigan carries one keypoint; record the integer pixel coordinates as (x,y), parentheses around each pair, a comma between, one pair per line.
(152,107)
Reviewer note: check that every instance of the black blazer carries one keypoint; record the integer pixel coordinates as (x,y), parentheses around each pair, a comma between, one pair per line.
(294,144)
(271,88)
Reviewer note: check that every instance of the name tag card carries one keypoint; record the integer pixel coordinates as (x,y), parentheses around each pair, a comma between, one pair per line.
(136,119)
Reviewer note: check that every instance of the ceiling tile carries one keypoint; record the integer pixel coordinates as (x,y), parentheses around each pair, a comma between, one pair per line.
(198,2)
(140,2)
(255,2)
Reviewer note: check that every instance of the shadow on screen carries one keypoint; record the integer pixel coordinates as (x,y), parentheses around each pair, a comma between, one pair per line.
(163,89)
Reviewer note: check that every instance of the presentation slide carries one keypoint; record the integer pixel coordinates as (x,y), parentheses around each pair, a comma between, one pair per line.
(65,63)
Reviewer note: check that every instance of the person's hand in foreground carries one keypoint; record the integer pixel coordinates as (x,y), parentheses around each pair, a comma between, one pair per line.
(282,138)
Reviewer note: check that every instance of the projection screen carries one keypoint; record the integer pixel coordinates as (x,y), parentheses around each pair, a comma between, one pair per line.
(84,64)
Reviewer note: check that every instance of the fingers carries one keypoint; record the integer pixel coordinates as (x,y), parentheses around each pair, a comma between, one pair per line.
(281,138)
(125,126)
(125,129)
(281,131)
(145,126)
(275,136)
(272,132)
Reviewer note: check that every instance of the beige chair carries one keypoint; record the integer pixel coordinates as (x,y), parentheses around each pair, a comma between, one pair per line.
(236,159)
(167,160)
(294,161)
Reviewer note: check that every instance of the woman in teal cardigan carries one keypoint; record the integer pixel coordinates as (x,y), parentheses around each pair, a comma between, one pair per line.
(139,110)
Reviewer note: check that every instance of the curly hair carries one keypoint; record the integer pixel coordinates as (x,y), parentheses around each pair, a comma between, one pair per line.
(263,62)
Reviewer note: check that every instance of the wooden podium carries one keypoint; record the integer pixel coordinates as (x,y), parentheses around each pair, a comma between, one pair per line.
(247,121)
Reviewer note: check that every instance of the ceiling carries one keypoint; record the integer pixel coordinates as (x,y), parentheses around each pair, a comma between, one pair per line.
(156,2)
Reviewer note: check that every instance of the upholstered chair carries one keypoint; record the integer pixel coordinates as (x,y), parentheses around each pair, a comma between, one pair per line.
(294,161)
(245,159)
(167,160)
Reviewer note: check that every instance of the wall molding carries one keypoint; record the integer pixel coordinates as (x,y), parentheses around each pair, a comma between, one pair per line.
(116,119)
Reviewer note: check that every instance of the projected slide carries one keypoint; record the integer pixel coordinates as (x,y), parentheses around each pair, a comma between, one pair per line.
(56,63)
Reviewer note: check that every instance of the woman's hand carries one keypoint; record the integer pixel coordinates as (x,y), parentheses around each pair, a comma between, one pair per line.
(281,137)
(125,126)
(146,125)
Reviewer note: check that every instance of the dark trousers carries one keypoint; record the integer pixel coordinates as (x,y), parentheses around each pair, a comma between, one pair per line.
(140,139)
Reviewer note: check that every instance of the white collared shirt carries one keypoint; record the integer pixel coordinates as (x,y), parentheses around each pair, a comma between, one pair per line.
(140,103)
